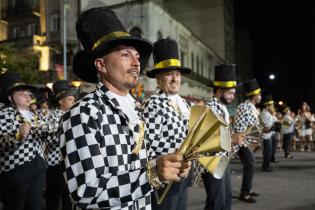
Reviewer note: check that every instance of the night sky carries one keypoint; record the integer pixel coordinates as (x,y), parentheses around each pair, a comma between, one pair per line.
(280,32)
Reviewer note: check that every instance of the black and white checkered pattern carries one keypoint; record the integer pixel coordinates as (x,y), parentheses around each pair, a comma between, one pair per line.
(97,160)
(14,153)
(166,128)
(246,116)
(52,144)
(266,121)
(219,109)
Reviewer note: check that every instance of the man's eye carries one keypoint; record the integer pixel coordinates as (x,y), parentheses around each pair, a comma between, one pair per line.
(125,55)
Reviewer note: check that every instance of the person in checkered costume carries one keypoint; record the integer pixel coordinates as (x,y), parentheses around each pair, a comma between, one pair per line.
(64,97)
(267,121)
(166,115)
(106,161)
(219,191)
(247,116)
(22,166)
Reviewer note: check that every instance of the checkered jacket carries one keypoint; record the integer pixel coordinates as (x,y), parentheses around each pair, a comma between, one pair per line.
(97,160)
(14,153)
(52,143)
(166,127)
(246,116)
(218,109)
(266,121)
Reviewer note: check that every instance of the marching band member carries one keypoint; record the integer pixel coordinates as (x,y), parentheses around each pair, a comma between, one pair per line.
(166,115)
(105,158)
(219,191)
(22,166)
(64,97)
(246,116)
(267,121)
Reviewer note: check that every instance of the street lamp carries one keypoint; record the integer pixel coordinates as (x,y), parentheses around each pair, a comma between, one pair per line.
(272,76)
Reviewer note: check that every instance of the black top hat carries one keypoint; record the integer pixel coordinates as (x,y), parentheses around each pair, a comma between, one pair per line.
(42,95)
(224,76)
(100,31)
(166,58)
(267,100)
(62,89)
(251,88)
(11,81)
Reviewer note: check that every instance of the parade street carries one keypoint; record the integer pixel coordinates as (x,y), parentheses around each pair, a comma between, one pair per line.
(290,186)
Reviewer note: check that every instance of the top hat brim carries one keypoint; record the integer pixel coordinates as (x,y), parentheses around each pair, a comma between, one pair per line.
(83,63)
(152,73)
(70,92)
(9,91)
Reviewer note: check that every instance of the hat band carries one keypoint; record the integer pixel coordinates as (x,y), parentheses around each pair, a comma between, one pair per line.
(59,94)
(268,102)
(254,92)
(108,37)
(168,63)
(16,84)
(226,84)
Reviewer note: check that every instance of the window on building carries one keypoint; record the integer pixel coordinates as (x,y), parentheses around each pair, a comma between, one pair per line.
(55,22)
(16,32)
(159,35)
(136,31)
(201,67)
(31,29)
(198,65)
(192,61)
(182,58)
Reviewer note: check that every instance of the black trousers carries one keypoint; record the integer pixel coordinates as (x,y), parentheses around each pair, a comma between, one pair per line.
(22,187)
(219,191)
(286,143)
(248,161)
(267,153)
(274,143)
(176,199)
(56,191)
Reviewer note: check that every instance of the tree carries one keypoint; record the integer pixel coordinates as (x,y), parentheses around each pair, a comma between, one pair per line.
(26,64)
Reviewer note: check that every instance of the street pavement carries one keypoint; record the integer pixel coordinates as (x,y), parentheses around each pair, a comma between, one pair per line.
(290,186)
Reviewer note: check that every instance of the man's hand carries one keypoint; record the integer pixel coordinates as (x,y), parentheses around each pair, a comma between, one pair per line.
(169,167)
(238,138)
(24,129)
(184,170)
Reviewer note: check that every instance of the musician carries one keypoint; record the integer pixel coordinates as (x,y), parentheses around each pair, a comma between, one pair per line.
(106,161)
(166,115)
(247,116)
(22,166)
(267,122)
(219,191)
(287,129)
(64,97)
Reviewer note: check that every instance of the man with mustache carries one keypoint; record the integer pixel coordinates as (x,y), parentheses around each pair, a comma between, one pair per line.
(166,115)
(219,191)
(105,158)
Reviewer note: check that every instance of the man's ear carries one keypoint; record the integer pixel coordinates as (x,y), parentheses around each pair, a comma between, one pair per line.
(10,98)
(100,65)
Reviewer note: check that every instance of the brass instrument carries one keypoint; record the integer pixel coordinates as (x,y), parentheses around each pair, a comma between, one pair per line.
(207,133)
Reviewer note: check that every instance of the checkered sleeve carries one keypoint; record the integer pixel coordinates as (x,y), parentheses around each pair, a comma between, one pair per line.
(88,161)
(8,130)
(243,118)
(266,119)
(153,115)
